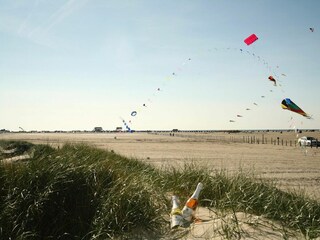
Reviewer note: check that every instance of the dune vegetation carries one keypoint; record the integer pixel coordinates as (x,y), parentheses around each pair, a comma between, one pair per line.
(82,192)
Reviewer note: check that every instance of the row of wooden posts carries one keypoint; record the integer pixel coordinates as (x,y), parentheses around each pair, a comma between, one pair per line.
(264,140)
(247,139)
(274,141)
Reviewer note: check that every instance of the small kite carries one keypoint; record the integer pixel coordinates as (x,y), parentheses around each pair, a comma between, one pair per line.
(290,105)
(248,109)
(251,39)
(283,74)
(239,116)
(144,105)
(311,29)
(231,121)
(255,104)
(273,80)
(263,96)
(126,125)
(134,113)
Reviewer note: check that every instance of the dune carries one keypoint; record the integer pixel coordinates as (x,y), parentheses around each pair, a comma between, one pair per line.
(217,226)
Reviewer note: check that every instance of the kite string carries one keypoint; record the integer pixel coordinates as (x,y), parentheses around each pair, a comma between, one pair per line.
(150,99)
(185,62)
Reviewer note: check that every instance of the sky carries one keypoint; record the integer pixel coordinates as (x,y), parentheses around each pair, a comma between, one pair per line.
(80,64)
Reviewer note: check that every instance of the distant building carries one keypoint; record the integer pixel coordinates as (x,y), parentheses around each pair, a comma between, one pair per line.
(175,130)
(98,129)
(118,129)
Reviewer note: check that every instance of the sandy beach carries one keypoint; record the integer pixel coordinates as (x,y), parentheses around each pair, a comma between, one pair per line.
(291,167)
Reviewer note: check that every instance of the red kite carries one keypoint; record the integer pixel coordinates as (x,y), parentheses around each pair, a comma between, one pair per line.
(273,80)
(251,39)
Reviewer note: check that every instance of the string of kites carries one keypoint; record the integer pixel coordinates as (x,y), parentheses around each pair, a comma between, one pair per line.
(286,103)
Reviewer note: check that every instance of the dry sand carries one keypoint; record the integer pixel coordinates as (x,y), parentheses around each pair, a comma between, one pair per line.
(238,225)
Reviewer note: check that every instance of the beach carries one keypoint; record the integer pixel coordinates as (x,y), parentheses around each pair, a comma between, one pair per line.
(290,167)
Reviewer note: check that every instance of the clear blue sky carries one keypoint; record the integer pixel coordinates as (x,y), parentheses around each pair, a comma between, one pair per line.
(77,64)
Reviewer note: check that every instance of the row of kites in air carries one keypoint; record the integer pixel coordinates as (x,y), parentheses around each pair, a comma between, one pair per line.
(286,103)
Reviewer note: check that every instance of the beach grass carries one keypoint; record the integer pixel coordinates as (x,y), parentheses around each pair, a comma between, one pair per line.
(81,192)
